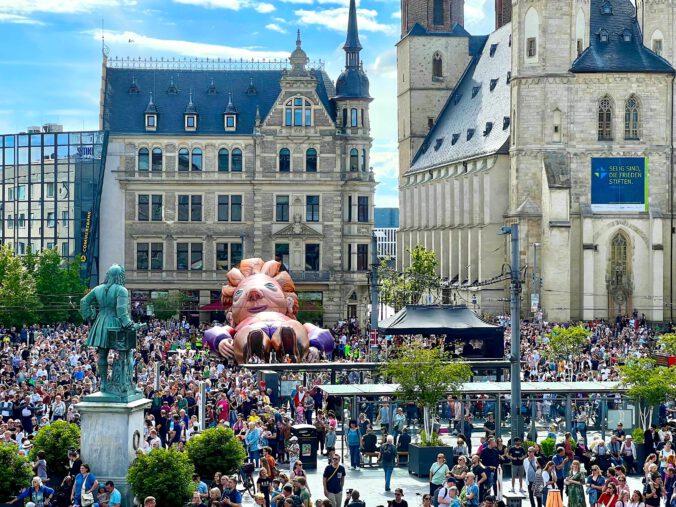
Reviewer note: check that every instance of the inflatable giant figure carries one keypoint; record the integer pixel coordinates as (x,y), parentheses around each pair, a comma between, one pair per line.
(262,305)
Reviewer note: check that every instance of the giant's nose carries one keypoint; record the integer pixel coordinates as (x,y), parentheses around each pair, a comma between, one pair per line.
(254,295)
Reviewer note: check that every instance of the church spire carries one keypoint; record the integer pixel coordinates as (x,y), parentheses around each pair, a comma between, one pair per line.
(352,45)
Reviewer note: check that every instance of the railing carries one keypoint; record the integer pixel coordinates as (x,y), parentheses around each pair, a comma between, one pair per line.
(185,64)
(310,276)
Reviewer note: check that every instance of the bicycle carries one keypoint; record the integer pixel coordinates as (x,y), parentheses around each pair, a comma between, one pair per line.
(245,476)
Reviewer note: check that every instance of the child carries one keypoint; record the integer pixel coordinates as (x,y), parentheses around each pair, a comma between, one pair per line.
(330,442)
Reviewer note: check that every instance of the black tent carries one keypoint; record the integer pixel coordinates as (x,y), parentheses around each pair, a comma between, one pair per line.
(457,323)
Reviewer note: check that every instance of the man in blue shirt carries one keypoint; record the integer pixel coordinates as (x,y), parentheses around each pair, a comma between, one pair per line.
(115,496)
(560,461)
(231,496)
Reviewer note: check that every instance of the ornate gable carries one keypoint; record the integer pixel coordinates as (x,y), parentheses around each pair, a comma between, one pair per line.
(297,230)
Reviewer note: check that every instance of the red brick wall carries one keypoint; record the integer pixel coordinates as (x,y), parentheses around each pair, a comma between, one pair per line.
(422,12)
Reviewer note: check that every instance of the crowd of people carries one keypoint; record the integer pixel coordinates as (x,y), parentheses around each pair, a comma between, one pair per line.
(46,370)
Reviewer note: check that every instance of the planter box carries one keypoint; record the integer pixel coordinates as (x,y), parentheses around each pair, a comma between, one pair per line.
(641,455)
(420,459)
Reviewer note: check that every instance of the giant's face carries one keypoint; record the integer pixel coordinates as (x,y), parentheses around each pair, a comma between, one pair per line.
(255,294)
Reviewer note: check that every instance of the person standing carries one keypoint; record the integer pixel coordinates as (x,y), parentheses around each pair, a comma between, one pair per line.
(438,473)
(516,456)
(384,416)
(334,481)
(387,458)
(575,486)
(530,468)
(354,443)
(85,483)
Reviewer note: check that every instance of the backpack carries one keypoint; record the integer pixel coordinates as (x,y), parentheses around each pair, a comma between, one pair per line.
(435,497)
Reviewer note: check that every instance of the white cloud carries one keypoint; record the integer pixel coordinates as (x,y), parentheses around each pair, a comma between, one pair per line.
(385,64)
(235,5)
(264,8)
(18,19)
(183,48)
(60,6)
(475,10)
(396,15)
(275,28)
(336,19)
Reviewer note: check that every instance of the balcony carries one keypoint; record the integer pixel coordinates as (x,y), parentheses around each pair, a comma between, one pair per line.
(310,276)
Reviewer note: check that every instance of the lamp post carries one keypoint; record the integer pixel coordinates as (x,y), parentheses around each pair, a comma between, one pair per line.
(535,290)
(515,356)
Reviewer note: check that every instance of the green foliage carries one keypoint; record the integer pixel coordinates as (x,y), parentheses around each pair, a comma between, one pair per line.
(548,445)
(425,376)
(648,385)
(19,302)
(165,474)
(216,450)
(59,287)
(56,439)
(566,342)
(435,441)
(638,435)
(528,443)
(15,472)
(419,279)
(169,306)
(667,343)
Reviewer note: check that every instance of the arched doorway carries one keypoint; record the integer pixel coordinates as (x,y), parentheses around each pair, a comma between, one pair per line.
(618,277)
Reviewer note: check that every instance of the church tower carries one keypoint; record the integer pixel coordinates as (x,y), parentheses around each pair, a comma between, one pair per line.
(503,12)
(432,55)
(657,18)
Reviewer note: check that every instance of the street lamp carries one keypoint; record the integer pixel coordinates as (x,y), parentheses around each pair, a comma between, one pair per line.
(515,356)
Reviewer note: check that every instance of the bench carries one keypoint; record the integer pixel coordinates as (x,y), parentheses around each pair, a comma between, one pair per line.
(401,454)
(370,456)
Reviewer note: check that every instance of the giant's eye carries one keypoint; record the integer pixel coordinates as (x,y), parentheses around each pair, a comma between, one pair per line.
(270,286)
(238,293)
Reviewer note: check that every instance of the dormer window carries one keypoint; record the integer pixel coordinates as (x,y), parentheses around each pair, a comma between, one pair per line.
(151,122)
(509,76)
(230,116)
(190,122)
(626,35)
(505,122)
(454,139)
(607,7)
(470,134)
(150,115)
(475,91)
(489,127)
(494,47)
(457,98)
(438,143)
(230,122)
(298,113)
(603,35)
(494,83)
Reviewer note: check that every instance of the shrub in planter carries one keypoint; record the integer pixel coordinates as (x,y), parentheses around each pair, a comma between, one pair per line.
(56,439)
(164,474)
(216,450)
(638,435)
(15,472)
(548,445)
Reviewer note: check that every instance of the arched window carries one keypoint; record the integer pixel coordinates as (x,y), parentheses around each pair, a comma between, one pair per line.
(157,160)
(354,117)
(438,14)
(196,159)
(532,32)
(223,160)
(284,160)
(311,160)
(298,112)
(580,31)
(345,117)
(143,159)
(656,42)
(631,118)
(183,159)
(363,160)
(437,66)
(236,161)
(605,119)
(354,160)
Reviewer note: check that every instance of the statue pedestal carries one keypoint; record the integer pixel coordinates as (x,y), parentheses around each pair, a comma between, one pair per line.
(110,434)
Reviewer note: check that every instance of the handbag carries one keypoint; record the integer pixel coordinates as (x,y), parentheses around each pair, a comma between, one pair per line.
(86,497)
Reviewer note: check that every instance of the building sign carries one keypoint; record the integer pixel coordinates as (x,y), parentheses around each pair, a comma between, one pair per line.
(619,184)
(85,239)
(85,152)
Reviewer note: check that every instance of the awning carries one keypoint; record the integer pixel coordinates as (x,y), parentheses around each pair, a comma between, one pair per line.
(440,320)
(215,306)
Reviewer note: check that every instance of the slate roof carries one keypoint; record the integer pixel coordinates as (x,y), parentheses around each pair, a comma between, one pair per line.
(123,111)
(466,116)
(618,55)
(476,42)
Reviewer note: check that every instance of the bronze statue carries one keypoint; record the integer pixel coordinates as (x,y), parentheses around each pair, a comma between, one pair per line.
(112,330)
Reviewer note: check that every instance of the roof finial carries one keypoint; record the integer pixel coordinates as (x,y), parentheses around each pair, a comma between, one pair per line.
(298,42)
(352,45)
(190,100)
(229,99)
(258,116)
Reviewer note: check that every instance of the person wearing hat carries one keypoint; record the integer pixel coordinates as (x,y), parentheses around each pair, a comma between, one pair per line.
(293,450)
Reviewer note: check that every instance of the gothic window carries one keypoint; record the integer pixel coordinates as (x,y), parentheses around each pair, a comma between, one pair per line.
(284,160)
(311,160)
(631,118)
(354,117)
(618,262)
(437,66)
(438,14)
(531,34)
(298,112)
(605,119)
(354,160)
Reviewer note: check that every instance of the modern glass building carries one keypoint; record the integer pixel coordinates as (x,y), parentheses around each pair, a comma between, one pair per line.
(51,186)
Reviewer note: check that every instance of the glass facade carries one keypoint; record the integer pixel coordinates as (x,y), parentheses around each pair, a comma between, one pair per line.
(51,186)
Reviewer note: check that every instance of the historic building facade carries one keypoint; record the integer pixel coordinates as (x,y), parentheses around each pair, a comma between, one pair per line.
(221,161)
(561,120)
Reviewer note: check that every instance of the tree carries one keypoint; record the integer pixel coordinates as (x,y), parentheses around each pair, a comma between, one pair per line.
(166,307)
(667,343)
(165,474)
(19,302)
(15,472)
(55,439)
(649,385)
(417,280)
(216,450)
(425,376)
(59,287)
(565,343)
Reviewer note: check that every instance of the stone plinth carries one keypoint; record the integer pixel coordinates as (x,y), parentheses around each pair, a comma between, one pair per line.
(110,434)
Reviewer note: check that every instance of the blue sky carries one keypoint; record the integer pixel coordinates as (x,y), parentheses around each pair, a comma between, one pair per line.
(50,65)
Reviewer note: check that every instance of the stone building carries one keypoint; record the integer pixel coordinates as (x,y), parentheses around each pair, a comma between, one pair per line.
(561,120)
(215,161)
